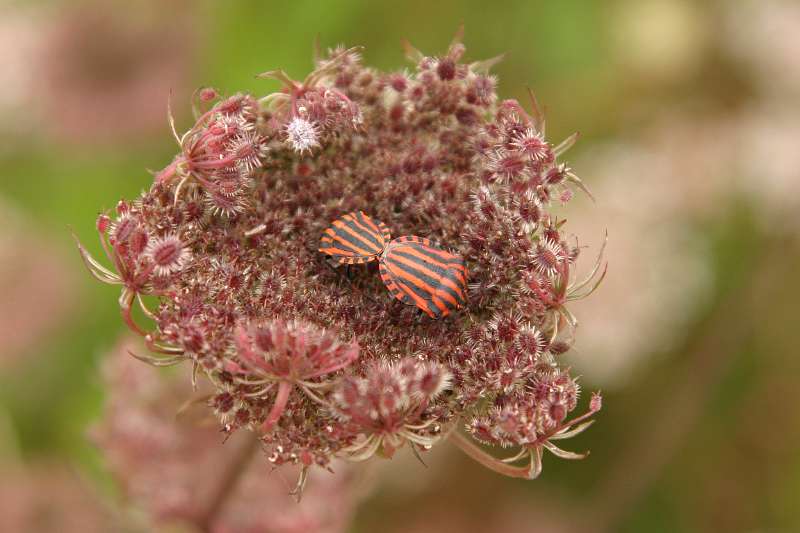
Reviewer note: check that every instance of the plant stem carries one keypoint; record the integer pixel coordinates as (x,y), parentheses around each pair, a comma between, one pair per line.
(284,390)
(226,483)
(167,172)
(487,460)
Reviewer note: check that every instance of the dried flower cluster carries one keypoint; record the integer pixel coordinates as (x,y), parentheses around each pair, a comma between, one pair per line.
(174,472)
(323,364)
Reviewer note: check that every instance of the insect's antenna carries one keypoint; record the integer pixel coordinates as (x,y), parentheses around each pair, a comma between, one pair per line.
(349,281)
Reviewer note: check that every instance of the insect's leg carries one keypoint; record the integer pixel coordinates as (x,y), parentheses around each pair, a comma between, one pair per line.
(333,269)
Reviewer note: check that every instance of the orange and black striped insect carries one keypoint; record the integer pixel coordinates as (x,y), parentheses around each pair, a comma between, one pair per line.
(417,273)
(413,270)
(355,238)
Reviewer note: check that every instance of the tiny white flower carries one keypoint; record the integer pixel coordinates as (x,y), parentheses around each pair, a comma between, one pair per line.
(302,135)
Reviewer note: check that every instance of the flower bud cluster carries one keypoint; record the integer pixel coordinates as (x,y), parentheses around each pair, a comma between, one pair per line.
(322,364)
(388,405)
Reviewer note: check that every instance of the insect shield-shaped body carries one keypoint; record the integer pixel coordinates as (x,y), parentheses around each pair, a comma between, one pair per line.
(353,239)
(413,270)
(417,273)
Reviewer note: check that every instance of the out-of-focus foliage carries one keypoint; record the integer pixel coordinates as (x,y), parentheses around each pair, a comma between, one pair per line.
(689,124)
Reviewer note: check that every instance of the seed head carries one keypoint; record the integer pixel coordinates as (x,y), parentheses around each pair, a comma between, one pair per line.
(324,365)
(548,256)
(531,143)
(168,253)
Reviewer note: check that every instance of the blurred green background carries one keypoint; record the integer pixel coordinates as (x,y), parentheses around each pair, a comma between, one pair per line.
(689,120)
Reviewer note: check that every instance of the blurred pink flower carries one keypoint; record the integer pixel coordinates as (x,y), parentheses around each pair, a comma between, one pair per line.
(106,69)
(644,208)
(173,467)
(653,192)
(768,160)
(763,34)
(19,40)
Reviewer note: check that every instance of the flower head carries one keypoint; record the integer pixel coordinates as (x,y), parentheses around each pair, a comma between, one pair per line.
(293,351)
(388,403)
(531,143)
(322,363)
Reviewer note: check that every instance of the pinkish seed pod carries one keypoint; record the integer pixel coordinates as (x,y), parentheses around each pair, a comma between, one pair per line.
(122,229)
(548,256)
(556,175)
(138,241)
(207,94)
(103,223)
(558,412)
(596,403)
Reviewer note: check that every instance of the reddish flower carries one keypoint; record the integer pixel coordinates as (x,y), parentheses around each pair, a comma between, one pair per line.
(289,355)
(386,406)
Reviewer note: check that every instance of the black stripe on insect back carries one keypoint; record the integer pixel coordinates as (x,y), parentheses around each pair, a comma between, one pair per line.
(354,238)
(425,271)
(369,236)
(419,274)
(424,246)
(406,294)
(357,239)
(440,260)
(377,233)
(339,247)
(423,252)
(423,285)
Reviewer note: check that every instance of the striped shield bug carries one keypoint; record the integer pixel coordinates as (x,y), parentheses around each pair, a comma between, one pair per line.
(355,238)
(417,273)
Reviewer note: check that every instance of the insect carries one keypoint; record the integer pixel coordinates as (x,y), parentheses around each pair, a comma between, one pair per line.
(417,273)
(354,239)
(412,269)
